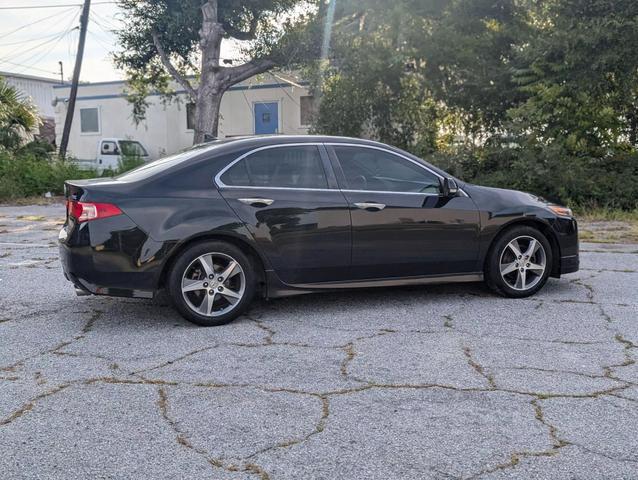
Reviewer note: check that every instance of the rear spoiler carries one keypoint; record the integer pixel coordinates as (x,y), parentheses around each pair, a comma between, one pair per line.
(74,189)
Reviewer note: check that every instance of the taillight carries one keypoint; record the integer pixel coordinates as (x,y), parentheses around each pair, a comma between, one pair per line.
(85,211)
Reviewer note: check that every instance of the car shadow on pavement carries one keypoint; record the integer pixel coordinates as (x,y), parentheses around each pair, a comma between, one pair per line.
(159,312)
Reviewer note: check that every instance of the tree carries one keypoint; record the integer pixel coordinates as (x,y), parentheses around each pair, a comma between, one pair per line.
(468,49)
(580,75)
(417,73)
(181,39)
(371,87)
(18,116)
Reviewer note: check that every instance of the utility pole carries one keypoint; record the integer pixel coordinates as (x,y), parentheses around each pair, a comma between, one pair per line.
(84,21)
(61,73)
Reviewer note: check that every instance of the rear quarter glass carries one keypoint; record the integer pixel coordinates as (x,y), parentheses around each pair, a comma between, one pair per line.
(149,169)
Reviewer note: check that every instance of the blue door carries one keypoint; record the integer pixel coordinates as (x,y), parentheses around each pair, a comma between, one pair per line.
(266,118)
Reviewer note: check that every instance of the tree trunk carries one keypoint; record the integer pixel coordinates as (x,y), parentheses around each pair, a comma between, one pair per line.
(211,87)
(214,79)
(209,100)
(633,128)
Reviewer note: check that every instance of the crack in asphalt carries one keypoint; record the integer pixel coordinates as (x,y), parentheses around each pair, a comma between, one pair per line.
(249,463)
(478,368)
(515,457)
(95,314)
(183,439)
(252,468)
(28,406)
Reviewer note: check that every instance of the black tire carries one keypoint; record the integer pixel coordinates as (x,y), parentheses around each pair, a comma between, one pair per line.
(493,277)
(185,262)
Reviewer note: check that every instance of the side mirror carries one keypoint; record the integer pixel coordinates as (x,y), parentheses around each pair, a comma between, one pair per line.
(449,188)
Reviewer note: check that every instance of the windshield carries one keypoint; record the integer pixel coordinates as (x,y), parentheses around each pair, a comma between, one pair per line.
(132,148)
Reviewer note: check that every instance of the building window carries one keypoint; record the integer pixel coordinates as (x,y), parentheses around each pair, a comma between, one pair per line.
(89,120)
(307,109)
(190,116)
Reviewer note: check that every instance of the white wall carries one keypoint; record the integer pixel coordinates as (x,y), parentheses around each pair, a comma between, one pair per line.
(39,89)
(164,130)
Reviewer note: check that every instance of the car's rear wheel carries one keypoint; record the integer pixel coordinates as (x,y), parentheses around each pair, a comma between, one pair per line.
(519,263)
(212,283)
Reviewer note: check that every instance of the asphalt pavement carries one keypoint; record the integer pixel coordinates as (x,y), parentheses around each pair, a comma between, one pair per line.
(405,383)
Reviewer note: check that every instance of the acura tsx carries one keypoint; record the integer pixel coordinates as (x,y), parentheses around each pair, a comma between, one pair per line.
(283,215)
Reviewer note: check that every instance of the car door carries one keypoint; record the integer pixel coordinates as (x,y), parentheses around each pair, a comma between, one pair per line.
(401,226)
(289,199)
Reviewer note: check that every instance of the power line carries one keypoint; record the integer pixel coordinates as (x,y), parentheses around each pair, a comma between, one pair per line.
(37,56)
(105,23)
(37,21)
(284,90)
(106,30)
(28,66)
(22,42)
(28,7)
(21,52)
(106,47)
(56,39)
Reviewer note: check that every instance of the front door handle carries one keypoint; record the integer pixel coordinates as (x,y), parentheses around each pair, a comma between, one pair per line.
(373,207)
(257,202)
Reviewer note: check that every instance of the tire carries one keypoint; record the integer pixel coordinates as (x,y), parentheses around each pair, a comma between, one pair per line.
(516,276)
(231,296)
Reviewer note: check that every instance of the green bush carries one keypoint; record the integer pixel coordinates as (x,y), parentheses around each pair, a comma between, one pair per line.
(129,162)
(26,174)
(607,182)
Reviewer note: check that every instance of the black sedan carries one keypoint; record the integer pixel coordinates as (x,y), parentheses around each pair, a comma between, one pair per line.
(284,215)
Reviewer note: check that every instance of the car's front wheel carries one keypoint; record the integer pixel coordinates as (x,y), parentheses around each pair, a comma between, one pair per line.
(519,263)
(211,283)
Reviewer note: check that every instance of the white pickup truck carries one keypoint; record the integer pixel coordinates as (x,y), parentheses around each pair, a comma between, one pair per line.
(110,153)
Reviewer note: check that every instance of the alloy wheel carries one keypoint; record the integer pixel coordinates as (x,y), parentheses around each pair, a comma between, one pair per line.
(213,284)
(523,263)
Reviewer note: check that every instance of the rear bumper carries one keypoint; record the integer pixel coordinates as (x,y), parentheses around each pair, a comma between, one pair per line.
(75,270)
(104,257)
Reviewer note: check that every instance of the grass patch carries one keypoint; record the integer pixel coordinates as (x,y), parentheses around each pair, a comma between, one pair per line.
(33,200)
(603,225)
(606,214)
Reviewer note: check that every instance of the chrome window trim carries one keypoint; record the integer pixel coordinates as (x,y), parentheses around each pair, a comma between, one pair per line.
(281,188)
(221,184)
(387,192)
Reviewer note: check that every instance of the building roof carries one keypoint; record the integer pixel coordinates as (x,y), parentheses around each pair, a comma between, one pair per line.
(29,77)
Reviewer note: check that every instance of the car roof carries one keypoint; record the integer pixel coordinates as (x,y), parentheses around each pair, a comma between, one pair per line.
(263,140)
(203,152)
(236,144)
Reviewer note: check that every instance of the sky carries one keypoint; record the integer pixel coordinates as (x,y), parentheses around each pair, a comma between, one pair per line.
(33,39)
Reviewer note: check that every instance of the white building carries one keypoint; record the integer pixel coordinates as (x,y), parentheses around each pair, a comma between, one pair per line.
(268,104)
(37,88)
(40,91)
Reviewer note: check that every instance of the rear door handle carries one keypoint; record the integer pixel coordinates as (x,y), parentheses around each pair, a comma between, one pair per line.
(257,202)
(373,207)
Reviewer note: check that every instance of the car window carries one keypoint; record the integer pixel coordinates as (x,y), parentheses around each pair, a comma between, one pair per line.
(133,148)
(109,148)
(376,170)
(288,167)
(149,169)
